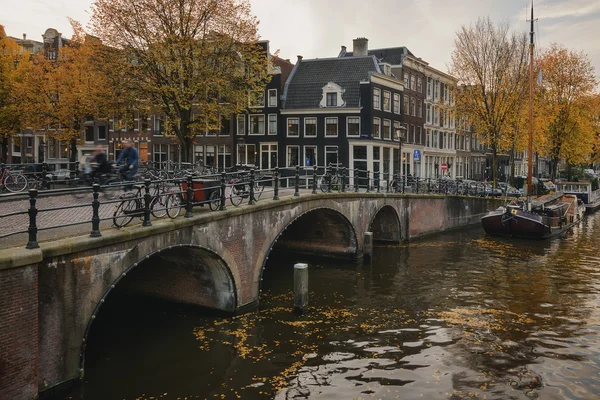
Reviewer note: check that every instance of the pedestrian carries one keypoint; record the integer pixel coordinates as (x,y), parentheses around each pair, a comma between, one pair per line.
(130,156)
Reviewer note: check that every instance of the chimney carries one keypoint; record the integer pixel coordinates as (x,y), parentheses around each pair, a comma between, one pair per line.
(24,36)
(361,47)
(344,49)
(299,58)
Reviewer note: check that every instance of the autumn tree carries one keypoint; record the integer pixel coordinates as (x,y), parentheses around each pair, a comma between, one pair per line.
(567,100)
(491,63)
(60,94)
(194,60)
(13,65)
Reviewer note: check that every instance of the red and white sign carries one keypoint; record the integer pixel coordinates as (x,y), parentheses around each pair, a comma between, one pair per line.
(444,167)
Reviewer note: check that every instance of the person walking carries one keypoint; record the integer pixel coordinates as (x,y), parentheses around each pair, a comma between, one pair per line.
(130,156)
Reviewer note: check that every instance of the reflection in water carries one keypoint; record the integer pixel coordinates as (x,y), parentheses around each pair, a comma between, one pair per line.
(456,316)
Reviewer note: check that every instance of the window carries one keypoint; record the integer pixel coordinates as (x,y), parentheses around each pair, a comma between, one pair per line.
(419,135)
(396,103)
(429,113)
(247,154)
(158,125)
(436,90)
(428,88)
(89,133)
(256,124)
(224,157)
(406,104)
(144,122)
(353,126)
(406,80)
(386,102)
(396,129)
(331,99)
(331,127)
(411,136)
(159,153)
(310,156)
(419,85)
(331,155)
(272,124)
(310,127)
(377,99)
(199,154)
(272,97)
(376,128)
(413,110)
(225,126)
(387,129)
(210,156)
(419,108)
(257,99)
(427,138)
(102,132)
(293,156)
(413,82)
(292,127)
(241,124)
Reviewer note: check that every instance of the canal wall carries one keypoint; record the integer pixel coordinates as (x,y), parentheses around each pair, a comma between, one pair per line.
(52,295)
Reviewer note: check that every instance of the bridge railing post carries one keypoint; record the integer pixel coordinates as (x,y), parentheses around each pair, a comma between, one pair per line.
(314,182)
(96,211)
(344,179)
(404,184)
(32,230)
(417,187)
(76,172)
(276,184)
(356,185)
(251,200)
(378,183)
(189,194)
(223,189)
(147,200)
(329,173)
(368,181)
(45,183)
(297,181)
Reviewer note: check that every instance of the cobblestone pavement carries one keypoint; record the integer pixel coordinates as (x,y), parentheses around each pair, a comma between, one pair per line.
(58,224)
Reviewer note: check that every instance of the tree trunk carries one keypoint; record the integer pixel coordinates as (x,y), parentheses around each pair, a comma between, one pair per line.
(512,165)
(4,150)
(555,162)
(73,146)
(187,147)
(495,166)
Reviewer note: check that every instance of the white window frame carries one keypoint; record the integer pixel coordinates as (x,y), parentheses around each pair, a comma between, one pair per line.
(348,126)
(396,108)
(304,154)
(378,105)
(389,106)
(315,124)
(389,124)
(237,122)
(250,124)
(287,153)
(406,105)
(269,124)
(378,136)
(287,127)
(327,150)
(337,127)
(419,108)
(269,97)
(251,98)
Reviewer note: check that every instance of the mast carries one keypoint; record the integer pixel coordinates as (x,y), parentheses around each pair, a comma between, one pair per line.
(530,148)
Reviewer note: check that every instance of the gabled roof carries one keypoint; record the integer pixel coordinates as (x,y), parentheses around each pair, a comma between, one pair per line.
(304,88)
(392,55)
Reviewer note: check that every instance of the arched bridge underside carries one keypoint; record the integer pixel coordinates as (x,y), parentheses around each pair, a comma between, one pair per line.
(213,260)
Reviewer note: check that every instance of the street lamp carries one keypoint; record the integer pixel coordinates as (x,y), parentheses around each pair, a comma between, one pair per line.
(400,135)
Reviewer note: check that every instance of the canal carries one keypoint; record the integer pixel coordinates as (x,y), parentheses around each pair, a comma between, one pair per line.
(458,315)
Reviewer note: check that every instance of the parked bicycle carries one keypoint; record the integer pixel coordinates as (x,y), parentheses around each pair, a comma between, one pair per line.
(163,202)
(12,181)
(333,180)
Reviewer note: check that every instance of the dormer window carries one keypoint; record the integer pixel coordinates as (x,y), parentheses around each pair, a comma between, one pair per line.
(332,99)
(332,96)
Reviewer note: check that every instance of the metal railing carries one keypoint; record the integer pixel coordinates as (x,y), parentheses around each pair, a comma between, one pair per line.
(123,201)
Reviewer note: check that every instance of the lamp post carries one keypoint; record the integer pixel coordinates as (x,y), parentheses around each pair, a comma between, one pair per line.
(400,135)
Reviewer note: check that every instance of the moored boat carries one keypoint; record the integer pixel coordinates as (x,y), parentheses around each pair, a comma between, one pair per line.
(583,190)
(548,216)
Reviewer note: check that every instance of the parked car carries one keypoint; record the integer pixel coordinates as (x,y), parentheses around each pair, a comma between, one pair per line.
(549,185)
(60,175)
(490,191)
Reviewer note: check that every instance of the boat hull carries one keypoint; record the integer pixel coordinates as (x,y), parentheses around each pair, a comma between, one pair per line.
(520,225)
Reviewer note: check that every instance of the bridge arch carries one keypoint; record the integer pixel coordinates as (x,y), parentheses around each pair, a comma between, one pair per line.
(195,275)
(321,230)
(385,225)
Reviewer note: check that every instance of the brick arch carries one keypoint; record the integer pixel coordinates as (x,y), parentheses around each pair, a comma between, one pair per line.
(351,250)
(208,267)
(385,225)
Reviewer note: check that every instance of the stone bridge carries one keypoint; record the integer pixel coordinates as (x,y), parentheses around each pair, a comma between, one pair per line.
(49,297)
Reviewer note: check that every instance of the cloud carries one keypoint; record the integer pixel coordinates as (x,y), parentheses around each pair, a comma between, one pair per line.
(567,8)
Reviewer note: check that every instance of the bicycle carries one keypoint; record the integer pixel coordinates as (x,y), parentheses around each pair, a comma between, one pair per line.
(133,205)
(240,188)
(13,182)
(327,179)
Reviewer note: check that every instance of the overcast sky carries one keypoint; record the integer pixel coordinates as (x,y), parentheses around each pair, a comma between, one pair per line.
(317,28)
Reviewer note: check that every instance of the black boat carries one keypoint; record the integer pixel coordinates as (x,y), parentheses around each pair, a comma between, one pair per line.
(542,218)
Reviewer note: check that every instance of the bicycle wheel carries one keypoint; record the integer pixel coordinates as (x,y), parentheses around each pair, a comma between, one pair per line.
(259,187)
(158,205)
(324,183)
(173,205)
(237,194)
(214,200)
(124,212)
(15,183)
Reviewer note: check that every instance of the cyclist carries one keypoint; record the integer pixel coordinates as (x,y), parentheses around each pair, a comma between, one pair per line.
(99,163)
(131,158)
